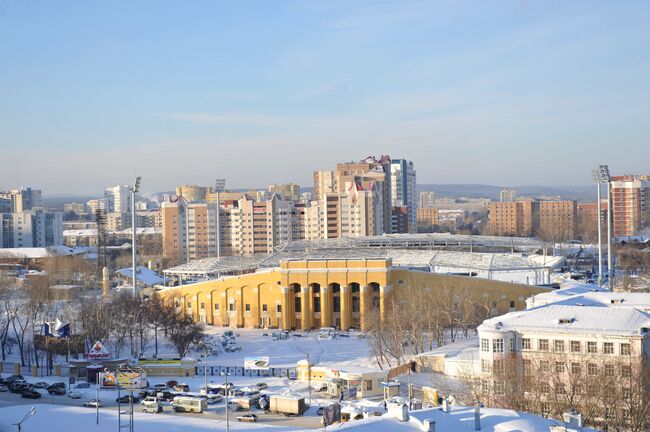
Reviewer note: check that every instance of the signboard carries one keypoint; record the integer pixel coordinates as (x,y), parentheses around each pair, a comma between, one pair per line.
(98,352)
(256,363)
(126,380)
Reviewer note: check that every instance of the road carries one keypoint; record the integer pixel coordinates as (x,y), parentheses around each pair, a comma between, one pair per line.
(216,411)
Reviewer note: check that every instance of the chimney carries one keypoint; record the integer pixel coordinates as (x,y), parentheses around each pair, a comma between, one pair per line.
(429,425)
(106,284)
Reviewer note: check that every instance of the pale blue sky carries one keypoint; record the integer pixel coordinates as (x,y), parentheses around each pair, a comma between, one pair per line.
(258,92)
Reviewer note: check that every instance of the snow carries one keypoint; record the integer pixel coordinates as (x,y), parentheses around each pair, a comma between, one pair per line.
(38,252)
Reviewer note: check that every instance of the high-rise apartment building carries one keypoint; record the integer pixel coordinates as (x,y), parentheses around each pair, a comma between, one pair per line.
(31,228)
(630,204)
(427,199)
(19,200)
(117,199)
(288,191)
(402,183)
(96,204)
(511,218)
(557,220)
(507,195)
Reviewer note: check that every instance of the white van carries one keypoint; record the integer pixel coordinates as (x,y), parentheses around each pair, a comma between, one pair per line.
(151,405)
(189,404)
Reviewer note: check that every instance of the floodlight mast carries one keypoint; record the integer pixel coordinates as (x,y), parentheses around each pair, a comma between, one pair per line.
(134,190)
(604,177)
(596,177)
(219,186)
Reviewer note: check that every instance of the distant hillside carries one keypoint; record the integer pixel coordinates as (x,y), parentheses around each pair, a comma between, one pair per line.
(579,193)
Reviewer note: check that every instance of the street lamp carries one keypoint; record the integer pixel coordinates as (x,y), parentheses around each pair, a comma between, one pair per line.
(219,186)
(134,190)
(30,413)
(205,347)
(226,374)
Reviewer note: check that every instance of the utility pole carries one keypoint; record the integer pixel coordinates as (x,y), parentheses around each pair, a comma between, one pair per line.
(134,190)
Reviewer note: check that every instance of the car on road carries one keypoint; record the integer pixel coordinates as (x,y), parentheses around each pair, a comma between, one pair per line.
(214,399)
(41,385)
(93,403)
(74,394)
(261,385)
(82,384)
(56,391)
(182,387)
(247,418)
(126,399)
(160,387)
(171,383)
(3,388)
(30,394)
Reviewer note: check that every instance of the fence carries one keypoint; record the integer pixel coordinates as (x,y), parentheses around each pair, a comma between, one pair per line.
(400,370)
(11,368)
(289,372)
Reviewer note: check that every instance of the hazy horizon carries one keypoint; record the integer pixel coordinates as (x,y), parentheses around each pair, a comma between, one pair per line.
(501,93)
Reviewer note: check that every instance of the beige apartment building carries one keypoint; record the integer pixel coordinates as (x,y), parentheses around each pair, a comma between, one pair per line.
(550,220)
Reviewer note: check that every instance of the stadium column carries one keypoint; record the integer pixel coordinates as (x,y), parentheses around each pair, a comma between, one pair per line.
(286,309)
(345,307)
(363,307)
(384,292)
(223,308)
(240,308)
(209,312)
(325,306)
(305,307)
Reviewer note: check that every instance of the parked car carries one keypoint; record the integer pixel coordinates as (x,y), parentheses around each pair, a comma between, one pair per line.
(3,388)
(93,403)
(30,394)
(74,394)
(214,399)
(58,391)
(160,386)
(82,384)
(166,396)
(182,387)
(18,387)
(126,399)
(261,386)
(12,378)
(247,418)
(57,384)
(41,385)
(171,383)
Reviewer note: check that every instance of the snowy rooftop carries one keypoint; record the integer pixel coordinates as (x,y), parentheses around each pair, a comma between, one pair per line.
(91,232)
(42,252)
(574,319)
(493,261)
(143,274)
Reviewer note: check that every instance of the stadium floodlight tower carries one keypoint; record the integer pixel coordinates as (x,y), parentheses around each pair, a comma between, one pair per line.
(597,180)
(219,186)
(134,190)
(603,173)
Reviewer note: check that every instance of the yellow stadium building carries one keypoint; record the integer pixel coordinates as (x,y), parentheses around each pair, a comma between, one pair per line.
(306,293)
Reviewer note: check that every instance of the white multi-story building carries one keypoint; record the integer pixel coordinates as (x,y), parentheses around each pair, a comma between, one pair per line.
(402,183)
(568,351)
(117,199)
(31,228)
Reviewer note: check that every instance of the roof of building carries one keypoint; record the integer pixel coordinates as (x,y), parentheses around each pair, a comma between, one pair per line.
(493,261)
(39,252)
(572,319)
(143,274)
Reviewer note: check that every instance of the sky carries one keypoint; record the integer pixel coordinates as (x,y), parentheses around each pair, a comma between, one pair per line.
(93,93)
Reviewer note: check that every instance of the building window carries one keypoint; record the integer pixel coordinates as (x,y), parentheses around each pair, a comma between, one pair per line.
(498,366)
(189,305)
(247,308)
(497,345)
(336,304)
(202,304)
(625,349)
(499,388)
(543,344)
(278,308)
(609,370)
(608,347)
(525,343)
(576,346)
(485,345)
(544,366)
(559,367)
(592,369)
(297,304)
(485,365)
(626,371)
(558,345)
(265,308)
(512,345)
(545,387)
(216,306)
(592,347)
(575,368)
(528,367)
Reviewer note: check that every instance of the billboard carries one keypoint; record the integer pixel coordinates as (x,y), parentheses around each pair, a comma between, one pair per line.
(126,380)
(256,363)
